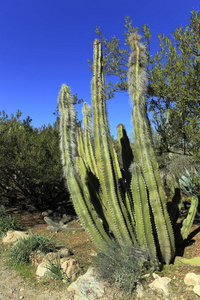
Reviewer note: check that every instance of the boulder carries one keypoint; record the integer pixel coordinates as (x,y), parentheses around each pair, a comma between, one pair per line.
(160,284)
(13,236)
(64,252)
(192,279)
(87,287)
(71,267)
(42,269)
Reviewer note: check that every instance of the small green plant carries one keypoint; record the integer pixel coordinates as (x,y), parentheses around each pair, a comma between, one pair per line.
(190,184)
(123,266)
(55,270)
(8,222)
(19,253)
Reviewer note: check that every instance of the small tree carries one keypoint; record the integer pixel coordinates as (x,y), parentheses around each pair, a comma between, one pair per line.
(30,166)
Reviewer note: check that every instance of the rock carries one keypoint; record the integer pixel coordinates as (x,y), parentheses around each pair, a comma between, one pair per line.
(71,268)
(13,236)
(51,256)
(192,279)
(36,257)
(196,289)
(42,269)
(47,213)
(160,283)
(87,287)
(64,252)
(140,291)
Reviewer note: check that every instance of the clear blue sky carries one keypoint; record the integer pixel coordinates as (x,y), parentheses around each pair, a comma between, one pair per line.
(44,43)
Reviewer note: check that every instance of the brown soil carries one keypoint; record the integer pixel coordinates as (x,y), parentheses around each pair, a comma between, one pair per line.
(14,286)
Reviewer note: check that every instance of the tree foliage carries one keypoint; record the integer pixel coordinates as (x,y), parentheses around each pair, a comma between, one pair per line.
(30,166)
(173,93)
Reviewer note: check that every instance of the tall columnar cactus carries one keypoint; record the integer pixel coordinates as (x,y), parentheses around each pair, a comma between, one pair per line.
(145,151)
(127,204)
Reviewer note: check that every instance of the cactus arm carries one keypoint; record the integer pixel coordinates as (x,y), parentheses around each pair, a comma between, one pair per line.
(79,194)
(86,214)
(145,152)
(89,153)
(107,173)
(142,212)
(188,221)
(92,201)
(67,127)
(80,146)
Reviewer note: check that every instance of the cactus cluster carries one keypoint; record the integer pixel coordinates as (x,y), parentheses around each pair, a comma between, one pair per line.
(126,203)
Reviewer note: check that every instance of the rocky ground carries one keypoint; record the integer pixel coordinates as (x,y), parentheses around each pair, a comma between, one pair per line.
(14,286)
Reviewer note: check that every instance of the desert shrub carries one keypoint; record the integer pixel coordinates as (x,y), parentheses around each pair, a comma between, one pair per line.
(19,253)
(8,222)
(122,266)
(30,166)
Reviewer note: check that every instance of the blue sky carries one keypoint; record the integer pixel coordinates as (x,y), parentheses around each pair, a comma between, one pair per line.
(44,43)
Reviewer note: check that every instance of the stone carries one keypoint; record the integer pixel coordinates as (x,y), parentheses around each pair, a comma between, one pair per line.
(87,287)
(140,291)
(13,236)
(71,268)
(192,279)
(196,289)
(36,257)
(47,213)
(52,256)
(64,252)
(160,283)
(42,269)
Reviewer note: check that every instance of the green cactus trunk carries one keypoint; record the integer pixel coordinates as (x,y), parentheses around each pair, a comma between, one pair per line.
(107,164)
(145,151)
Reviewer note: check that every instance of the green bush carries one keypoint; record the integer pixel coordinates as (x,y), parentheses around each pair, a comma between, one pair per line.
(19,253)
(30,166)
(122,266)
(8,223)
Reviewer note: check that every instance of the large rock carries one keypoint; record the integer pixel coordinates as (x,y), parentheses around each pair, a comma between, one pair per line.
(71,267)
(87,287)
(160,284)
(192,279)
(13,236)
(42,269)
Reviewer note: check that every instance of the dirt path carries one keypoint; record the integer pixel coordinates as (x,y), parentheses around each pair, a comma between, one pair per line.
(12,286)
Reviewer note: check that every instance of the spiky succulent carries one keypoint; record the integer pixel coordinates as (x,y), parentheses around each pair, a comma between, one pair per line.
(128,203)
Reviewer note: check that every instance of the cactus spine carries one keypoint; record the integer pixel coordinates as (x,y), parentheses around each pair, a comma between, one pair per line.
(127,204)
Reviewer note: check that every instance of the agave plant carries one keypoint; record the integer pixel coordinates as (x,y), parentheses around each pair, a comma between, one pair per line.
(190,186)
(128,203)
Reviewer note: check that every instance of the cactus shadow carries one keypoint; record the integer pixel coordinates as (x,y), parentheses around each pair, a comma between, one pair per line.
(182,244)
